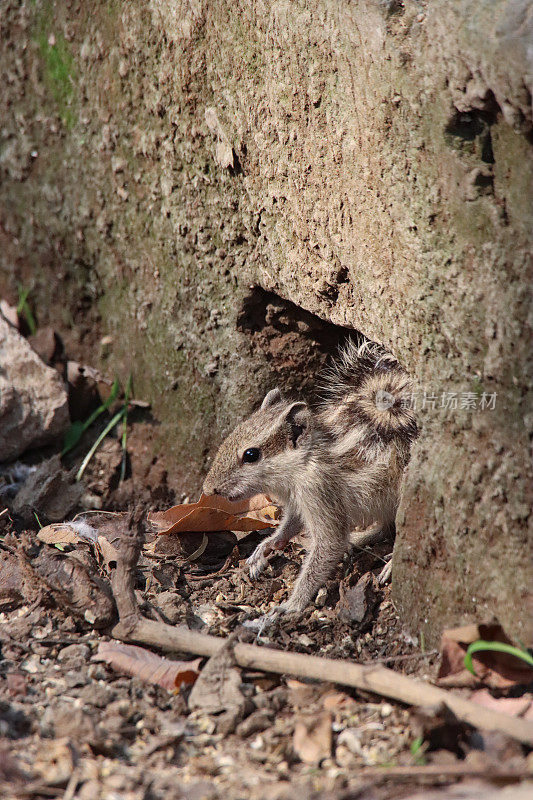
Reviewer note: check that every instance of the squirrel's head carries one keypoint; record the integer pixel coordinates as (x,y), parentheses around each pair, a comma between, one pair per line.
(255,454)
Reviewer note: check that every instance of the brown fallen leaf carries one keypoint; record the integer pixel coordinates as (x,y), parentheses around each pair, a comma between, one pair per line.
(301,695)
(148,666)
(312,738)
(215,513)
(101,532)
(336,700)
(219,688)
(497,670)
(74,580)
(65,533)
(514,706)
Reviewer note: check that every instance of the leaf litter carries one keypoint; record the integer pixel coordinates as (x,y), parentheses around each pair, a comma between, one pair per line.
(253,728)
(148,666)
(215,513)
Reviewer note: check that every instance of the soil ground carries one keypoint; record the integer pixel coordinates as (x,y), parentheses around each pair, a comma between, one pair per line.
(73,728)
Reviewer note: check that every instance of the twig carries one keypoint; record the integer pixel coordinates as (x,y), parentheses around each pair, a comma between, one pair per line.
(406,657)
(219,571)
(123,577)
(72,785)
(460,770)
(133,627)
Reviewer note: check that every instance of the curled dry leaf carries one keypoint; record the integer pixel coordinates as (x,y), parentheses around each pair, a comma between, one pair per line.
(65,533)
(497,670)
(514,706)
(215,513)
(312,738)
(102,532)
(73,579)
(148,666)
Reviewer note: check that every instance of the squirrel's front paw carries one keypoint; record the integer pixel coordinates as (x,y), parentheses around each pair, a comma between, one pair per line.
(257,562)
(265,621)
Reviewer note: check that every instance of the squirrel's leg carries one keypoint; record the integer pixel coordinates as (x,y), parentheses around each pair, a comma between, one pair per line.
(377,532)
(325,553)
(289,526)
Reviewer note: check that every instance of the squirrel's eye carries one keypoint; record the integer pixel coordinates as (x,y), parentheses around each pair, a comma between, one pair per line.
(251,455)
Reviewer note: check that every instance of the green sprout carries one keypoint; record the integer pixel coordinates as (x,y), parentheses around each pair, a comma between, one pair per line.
(120,416)
(418,748)
(496,647)
(110,425)
(23,308)
(78,428)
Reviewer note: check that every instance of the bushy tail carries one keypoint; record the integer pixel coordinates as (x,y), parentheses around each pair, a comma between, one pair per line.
(367,387)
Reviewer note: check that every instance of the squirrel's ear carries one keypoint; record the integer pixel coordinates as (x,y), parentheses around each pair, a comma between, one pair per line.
(299,417)
(273,397)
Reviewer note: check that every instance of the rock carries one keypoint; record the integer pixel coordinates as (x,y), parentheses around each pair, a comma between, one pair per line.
(77,654)
(47,344)
(357,604)
(171,604)
(33,399)
(219,686)
(50,491)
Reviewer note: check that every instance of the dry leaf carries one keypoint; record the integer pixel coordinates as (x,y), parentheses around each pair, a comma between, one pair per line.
(301,695)
(148,666)
(514,706)
(215,513)
(220,685)
(65,533)
(336,700)
(82,531)
(108,551)
(497,670)
(312,739)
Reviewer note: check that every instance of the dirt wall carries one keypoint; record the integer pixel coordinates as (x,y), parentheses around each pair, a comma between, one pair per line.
(167,165)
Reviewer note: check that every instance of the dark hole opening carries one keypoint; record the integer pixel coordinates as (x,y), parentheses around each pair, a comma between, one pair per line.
(297,344)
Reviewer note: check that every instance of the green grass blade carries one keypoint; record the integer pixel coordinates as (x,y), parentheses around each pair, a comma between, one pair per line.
(496,647)
(77,429)
(110,425)
(23,296)
(72,436)
(24,308)
(105,405)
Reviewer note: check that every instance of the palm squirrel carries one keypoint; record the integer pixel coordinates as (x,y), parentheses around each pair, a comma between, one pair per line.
(331,469)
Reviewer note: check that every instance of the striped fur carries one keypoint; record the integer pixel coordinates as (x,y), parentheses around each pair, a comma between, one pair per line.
(332,470)
(366,401)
